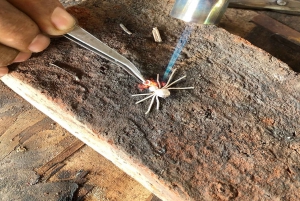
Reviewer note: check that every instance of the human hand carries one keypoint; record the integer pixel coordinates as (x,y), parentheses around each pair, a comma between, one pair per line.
(24,26)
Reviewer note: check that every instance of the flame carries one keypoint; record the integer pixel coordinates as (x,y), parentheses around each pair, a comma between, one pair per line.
(142,87)
(150,83)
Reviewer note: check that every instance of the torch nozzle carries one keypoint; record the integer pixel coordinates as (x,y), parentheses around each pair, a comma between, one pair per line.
(200,11)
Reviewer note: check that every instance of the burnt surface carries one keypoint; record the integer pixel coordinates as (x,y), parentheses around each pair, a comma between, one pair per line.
(235,136)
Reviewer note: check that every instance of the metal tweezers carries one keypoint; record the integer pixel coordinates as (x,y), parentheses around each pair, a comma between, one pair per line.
(90,42)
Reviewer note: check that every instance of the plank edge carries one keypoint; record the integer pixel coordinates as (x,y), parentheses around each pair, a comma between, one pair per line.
(132,167)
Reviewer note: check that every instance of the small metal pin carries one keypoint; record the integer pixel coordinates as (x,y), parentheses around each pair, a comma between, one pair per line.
(75,77)
(281,2)
(156,35)
(125,29)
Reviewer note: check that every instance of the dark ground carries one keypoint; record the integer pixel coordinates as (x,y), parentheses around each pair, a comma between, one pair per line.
(235,136)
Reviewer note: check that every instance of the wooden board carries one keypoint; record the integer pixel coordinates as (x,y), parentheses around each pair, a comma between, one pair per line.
(239,22)
(236,136)
(37,156)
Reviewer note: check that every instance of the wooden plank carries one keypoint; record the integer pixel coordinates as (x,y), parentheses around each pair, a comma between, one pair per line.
(86,135)
(234,137)
(239,22)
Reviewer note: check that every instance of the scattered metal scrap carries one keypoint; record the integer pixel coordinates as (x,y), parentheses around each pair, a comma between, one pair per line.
(156,35)
(20,148)
(125,29)
(74,76)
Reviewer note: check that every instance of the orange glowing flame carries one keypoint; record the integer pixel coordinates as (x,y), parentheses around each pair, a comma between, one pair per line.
(149,83)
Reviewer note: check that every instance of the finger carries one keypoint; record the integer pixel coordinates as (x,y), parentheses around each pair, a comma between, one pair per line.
(50,15)
(22,56)
(39,43)
(18,31)
(3,71)
(7,55)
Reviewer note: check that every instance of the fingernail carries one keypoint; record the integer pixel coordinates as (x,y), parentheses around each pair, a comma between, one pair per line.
(61,19)
(39,43)
(3,71)
(22,56)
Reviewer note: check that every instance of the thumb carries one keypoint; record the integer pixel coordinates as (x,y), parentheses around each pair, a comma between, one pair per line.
(3,71)
(50,15)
